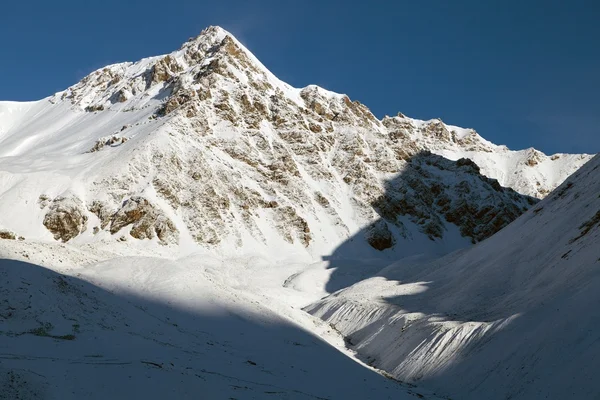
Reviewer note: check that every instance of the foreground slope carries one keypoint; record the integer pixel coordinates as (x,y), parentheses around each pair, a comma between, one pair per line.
(515,316)
(150,328)
(204,147)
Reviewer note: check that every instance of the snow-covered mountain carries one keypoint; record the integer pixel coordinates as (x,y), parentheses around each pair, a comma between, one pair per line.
(205,147)
(513,317)
(164,222)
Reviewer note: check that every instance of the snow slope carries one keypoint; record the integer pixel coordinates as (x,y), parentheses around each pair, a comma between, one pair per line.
(513,317)
(141,327)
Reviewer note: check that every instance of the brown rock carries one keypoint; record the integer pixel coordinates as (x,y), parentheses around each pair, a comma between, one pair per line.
(147,221)
(66,218)
(6,234)
(379,236)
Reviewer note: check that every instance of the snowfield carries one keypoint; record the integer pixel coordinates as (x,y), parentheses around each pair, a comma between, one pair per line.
(152,328)
(190,226)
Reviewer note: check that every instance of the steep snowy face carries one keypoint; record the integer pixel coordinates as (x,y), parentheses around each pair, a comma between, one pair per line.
(513,317)
(205,146)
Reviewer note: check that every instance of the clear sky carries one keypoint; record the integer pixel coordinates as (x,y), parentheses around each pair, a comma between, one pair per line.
(522,73)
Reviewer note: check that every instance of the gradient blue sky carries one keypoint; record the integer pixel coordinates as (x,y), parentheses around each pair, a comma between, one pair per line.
(522,73)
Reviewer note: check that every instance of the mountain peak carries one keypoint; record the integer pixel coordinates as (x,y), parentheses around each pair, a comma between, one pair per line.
(215,54)
(214,31)
(210,41)
(260,192)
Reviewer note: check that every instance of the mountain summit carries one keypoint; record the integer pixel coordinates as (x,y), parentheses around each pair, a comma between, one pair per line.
(204,146)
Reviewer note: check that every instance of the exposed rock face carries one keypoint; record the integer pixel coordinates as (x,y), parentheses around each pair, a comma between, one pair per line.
(531,172)
(379,236)
(432,191)
(43,201)
(103,211)
(94,108)
(293,227)
(534,157)
(6,234)
(147,222)
(66,218)
(107,141)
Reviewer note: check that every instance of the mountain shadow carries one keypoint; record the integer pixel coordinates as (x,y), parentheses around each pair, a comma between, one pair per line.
(514,316)
(63,337)
(432,207)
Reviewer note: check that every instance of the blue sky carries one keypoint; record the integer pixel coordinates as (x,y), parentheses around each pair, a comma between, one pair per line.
(522,73)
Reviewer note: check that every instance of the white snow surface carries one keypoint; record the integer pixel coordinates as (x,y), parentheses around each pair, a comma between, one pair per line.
(514,317)
(155,328)
(142,327)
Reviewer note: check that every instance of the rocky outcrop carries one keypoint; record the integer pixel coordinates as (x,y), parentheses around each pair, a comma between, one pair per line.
(43,201)
(111,141)
(164,69)
(147,221)
(293,227)
(8,235)
(379,236)
(432,191)
(103,211)
(66,218)
(95,108)
(534,157)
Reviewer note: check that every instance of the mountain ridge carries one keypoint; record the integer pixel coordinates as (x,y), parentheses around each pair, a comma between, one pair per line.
(153,70)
